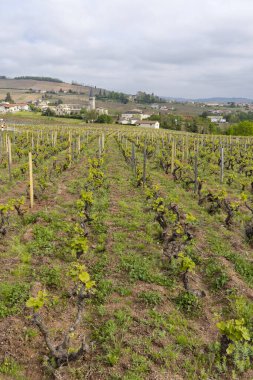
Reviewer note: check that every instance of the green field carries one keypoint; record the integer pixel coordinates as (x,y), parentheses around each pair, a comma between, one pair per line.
(135,261)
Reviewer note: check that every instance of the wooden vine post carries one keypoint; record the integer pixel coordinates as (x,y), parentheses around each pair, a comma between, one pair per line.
(9,150)
(103,142)
(221,164)
(183,149)
(31,180)
(9,156)
(70,147)
(187,148)
(172,155)
(133,158)
(37,143)
(144,163)
(196,172)
(55,138)
(99,146)
(79,144)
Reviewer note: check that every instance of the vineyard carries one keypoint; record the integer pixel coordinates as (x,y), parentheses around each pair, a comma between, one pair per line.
(125,254)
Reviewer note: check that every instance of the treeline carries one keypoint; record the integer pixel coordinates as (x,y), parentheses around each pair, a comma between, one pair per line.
(237,117)
(112,95)
(143,97)
(46,79)
(187,124)
(140,97)
(244,128)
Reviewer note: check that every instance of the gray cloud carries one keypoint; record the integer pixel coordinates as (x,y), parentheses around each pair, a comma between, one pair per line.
(185,48)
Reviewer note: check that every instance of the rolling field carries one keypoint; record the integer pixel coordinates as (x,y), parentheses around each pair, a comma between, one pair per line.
(19,90)
(134,261)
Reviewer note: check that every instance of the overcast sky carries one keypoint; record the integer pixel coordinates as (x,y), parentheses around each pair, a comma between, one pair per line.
(183,48)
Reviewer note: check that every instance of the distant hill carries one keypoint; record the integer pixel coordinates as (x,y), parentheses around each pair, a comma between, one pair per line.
(43,79)
(224,100)
(211,100)
(37,83)
(40,83)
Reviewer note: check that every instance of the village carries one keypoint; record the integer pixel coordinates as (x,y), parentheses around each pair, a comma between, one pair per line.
(91,104)
(134,117)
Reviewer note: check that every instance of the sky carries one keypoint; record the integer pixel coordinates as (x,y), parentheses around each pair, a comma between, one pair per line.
(180,48)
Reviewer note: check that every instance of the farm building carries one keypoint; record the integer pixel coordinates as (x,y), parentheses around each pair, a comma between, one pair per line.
(130,121)
(217,119)
(148,124)
(9,108)
(135,114)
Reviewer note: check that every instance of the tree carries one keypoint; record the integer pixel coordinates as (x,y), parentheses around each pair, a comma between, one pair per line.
(8,98)
(204,114)
(106,119)
(245,128)
(33,108)
(48,112)
(89,115)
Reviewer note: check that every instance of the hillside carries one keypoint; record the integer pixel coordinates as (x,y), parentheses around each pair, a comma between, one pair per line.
(115,268)
(20,90)
(26,84)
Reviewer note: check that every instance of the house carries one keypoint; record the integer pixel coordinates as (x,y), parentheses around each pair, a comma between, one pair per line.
(216,112)
(148,124)
(135,114)
(131,121)
(102,111)
(124,121)
(217,119)
(11,108)
(24,107)
(130,114)
(66,109)
(145,116)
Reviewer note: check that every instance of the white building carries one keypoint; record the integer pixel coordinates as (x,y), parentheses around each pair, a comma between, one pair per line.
(102,111)
(11,108)
(217,119)
(148,124)
(131,121)
(135,114)
(66,109)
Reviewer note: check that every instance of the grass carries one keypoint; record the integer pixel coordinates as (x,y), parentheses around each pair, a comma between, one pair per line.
(11,368)
(12,298)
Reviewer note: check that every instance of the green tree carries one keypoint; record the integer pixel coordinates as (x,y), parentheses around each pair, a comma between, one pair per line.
(106,119)
(245,128)
(89,115)
(8,98)
(48,112)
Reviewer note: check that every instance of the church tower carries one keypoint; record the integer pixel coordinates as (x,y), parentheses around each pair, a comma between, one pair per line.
(92,100)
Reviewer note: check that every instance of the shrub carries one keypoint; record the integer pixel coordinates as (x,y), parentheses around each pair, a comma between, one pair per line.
(150,298)
(189,303)
(12,298)
(50,277)
(217,276)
